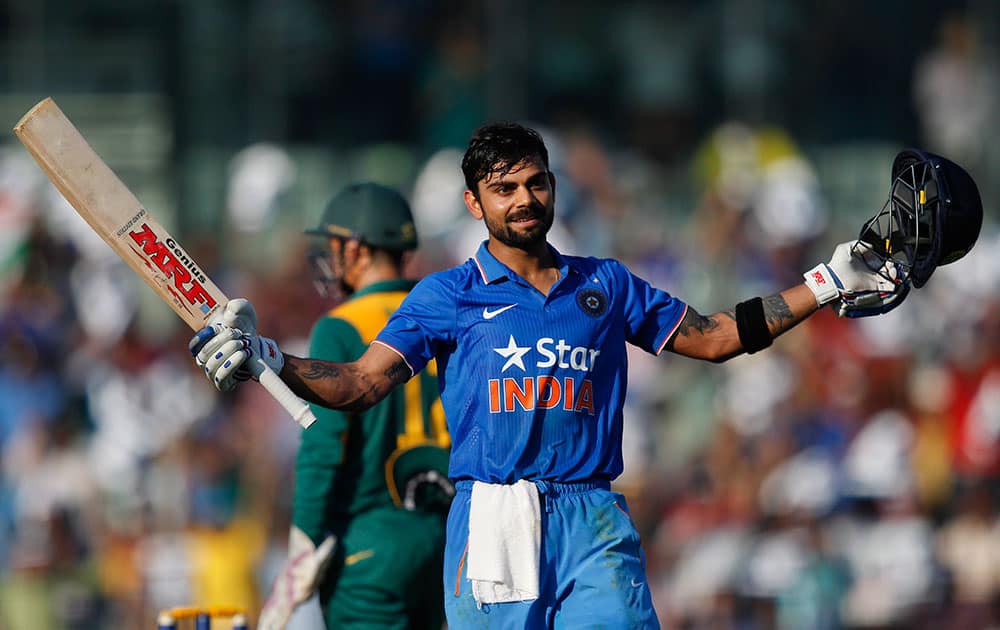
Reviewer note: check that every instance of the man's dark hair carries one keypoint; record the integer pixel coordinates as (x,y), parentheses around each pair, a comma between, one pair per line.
(496,148)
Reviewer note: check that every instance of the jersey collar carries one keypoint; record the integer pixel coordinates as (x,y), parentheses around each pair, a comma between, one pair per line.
(491,270)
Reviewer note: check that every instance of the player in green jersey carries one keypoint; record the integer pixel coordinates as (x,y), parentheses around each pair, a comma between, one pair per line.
(371,488)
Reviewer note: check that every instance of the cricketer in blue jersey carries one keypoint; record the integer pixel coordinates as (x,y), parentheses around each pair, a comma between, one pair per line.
(530,349)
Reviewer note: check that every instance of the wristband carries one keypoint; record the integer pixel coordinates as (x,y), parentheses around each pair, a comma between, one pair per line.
(752,326)
(823,283)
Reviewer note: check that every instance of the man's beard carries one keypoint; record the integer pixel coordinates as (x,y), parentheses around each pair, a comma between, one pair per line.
(512,237)
(341,289)
(339,267)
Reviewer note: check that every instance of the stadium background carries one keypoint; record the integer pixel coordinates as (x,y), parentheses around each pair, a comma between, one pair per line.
(845,478)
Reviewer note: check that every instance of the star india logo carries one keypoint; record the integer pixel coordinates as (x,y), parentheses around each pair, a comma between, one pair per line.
(569,392)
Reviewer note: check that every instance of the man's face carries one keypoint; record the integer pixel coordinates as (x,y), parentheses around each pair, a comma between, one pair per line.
(344,264)
(517,207)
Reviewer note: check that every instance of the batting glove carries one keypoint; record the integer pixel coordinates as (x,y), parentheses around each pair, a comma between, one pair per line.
(240,313)
(298,579)
(857,281)
(871,303)
(229,355)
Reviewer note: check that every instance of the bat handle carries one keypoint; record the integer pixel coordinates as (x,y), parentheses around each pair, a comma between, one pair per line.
(294,405)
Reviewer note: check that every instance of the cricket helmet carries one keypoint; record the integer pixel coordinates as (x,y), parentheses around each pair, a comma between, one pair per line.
(372,214)
(932,216)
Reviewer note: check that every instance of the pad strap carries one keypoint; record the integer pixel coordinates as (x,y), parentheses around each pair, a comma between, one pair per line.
(752,325)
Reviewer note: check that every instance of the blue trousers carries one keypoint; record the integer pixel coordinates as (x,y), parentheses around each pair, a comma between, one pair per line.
(592,567)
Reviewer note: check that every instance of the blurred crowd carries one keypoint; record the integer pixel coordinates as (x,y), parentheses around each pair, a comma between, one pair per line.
(849,477)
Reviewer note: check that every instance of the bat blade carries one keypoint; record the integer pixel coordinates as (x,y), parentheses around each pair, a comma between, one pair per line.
(107,204)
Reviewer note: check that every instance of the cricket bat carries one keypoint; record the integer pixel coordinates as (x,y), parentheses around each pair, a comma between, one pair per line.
(111,209)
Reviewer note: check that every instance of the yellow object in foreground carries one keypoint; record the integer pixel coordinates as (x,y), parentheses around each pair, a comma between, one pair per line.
(203,618)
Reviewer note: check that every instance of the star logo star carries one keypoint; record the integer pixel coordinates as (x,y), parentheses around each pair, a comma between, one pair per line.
(513,353)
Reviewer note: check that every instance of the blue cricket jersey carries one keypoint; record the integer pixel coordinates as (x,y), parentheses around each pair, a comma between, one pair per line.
(532,385)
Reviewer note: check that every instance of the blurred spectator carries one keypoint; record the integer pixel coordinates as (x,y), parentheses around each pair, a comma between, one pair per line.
(956,90)
(968,544)
(888,546)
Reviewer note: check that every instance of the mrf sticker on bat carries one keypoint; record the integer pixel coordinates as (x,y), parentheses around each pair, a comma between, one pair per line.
(170,259)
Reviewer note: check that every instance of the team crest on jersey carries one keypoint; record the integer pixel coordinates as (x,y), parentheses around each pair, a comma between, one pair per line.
(593,302)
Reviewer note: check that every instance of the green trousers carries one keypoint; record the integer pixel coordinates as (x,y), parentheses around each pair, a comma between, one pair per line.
(386,572)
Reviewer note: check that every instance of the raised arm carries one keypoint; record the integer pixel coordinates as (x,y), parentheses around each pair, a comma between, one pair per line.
(717,337)
(857,283)
(231,351)
(353,386)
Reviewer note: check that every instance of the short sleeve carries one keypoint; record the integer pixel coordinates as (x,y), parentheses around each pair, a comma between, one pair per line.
(424,323)
(651,315)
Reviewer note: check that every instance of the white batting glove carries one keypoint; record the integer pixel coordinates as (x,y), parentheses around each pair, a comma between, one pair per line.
(849,281)
(229,355)
(208,342)
(240,313)
(298,579)
(868,304)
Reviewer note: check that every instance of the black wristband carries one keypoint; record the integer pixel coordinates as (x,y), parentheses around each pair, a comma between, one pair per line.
(752,326)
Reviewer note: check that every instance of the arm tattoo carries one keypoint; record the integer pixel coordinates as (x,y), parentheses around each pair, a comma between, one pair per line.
(362,396)
(318,370)
(693,322)
(398,372)
(777,313)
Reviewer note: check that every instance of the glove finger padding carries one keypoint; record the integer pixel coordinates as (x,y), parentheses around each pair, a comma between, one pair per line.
(220,351)
(200,339)
(210,347)
(225,354)
(223,365)
(882,271)
(858,268)
(868,303)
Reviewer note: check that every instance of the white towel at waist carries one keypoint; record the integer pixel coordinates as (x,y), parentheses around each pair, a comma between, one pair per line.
(505,524)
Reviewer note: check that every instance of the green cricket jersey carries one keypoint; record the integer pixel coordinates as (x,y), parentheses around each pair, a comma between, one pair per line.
(351,463)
